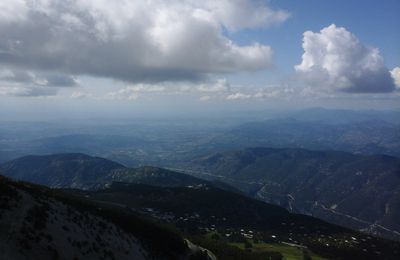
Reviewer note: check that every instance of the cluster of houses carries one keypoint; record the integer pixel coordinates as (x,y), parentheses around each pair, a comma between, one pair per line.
(216,225)
(247,234)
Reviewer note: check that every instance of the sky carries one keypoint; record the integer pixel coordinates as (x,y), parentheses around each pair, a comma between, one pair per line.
(83,58)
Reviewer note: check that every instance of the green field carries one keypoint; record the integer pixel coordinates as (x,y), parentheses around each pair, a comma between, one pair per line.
(288,252)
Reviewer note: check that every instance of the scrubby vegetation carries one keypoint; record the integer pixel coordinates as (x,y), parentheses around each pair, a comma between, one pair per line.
(157,239)
(6,193)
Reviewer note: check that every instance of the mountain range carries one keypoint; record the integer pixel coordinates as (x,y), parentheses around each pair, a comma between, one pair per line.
(365,136)
(357,191)
(80,171)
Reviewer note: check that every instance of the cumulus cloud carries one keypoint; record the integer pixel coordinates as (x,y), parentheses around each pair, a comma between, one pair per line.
(396,76)
(335,59)
(137,41)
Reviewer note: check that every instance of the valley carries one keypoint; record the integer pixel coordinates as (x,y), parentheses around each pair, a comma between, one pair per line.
(356,191)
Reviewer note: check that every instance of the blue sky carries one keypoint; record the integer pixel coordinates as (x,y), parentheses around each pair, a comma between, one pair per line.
(228,54)
(375,23)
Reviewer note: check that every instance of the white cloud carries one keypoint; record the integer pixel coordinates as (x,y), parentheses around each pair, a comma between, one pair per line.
(266,93)
(238,95)
(12,10)
(137,41)
(122,94)
(396,76)
(217,89)
(240,14)
(134,91)
(27,91)
(221,85)
(335,59)
(145,88)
